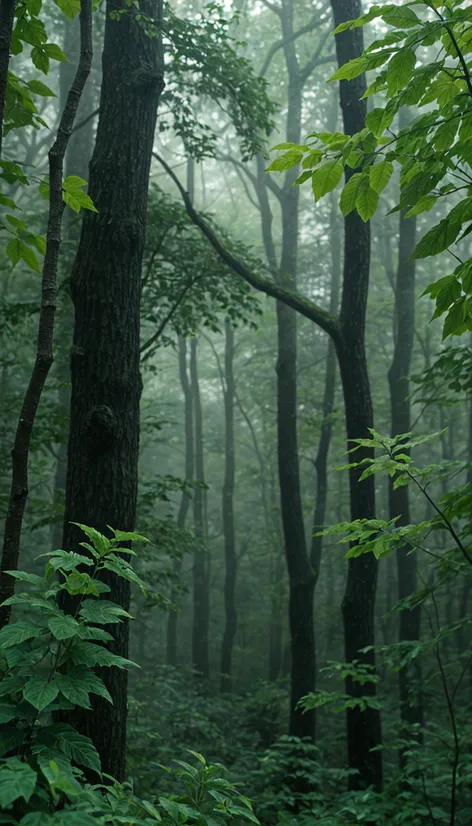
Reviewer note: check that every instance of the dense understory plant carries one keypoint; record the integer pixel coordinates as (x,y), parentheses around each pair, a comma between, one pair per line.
(48,662)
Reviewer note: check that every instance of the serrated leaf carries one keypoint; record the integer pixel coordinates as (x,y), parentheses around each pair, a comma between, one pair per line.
(102,612)
(98,540)
(79,682)
(425,203)
(88,653)
(399,70)
(75,746)
(367,201)
(349,194)
(63,627)
(17,779)
(40,692)
(380,174)
(438,239)
(326,178)
(17,633)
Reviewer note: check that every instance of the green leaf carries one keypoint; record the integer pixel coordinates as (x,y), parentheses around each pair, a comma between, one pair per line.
(54,52)
(291,158)
(401,17)
(438,239)
(39,88)
(367,201)
(399,70)
(37,819)
(326,178)
(380,174)
(102,612)
(349,194)
(70,8)
(98,540)
(88,653)
(40,692)
(425,203)
(63,627)
(8,712)
(17,633)
(79,682)
(128,536)
(40,59)
(454,319)
(17,779)
(350,70)
(75,746)
(10,738)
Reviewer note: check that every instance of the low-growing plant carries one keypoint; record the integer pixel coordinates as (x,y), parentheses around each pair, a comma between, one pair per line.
(47,664)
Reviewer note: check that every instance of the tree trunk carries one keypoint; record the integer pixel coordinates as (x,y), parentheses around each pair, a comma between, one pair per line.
(321,461)
(411,708)
(79,152)
(231,562)
(363,727)
(102,473)
(7,15)
(45,338)
(201,600)
(171,643)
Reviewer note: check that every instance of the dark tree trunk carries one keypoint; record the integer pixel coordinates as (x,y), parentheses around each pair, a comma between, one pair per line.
(411,708)
(277,613)
(171,644)
(231,562)
(7,15)
(44,356)
(79,152)
(105,286)
(201,600)
(363,727)
(321,460)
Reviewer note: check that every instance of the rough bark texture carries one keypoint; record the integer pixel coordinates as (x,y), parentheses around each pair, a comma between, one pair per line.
(411,708)
(172,620)
(201,600)
(44,344)
(105,287)
(363,727)
(231,561)
(7,14)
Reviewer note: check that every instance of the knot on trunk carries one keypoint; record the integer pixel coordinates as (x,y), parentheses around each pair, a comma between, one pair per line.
(100,428)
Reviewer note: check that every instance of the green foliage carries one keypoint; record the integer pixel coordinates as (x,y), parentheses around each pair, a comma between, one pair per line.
(424,62)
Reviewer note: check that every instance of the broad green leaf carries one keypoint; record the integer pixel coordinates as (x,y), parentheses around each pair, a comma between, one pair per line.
(401,17)
(102,612)
(380,174)
(454,319)
(350,70)
(291,158)
(17,633)
(425,203)
(10,738)
(75,746)
(13,251)
(349,193)
(8,712)
(70,8)
(37,819)
(54,52)
(17,779)
(28,256)
(40,59)
(39,88)
(367,201)
(326,178)
(399,70)
(63,627)
(438,239)
(79,682)
(98,540)
(40,692)
(88,653)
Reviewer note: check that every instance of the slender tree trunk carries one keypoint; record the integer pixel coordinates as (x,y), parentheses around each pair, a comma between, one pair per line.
(201,600)
(44,344)
(7,15)
(363,727)
(102,472)
(321,460)
(79,152)
(231,562)
(411,707)
(171,644)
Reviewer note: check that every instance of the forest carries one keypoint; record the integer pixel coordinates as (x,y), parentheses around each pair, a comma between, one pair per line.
(235,413)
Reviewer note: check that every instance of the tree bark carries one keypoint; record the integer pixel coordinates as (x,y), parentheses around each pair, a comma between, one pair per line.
(44,346)
(231,562)
(172,620)
(201,600)
(363,727)
(102,471)
(411,707)
(7,16)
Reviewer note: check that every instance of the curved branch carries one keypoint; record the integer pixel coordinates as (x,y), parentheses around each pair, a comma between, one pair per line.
(329,323)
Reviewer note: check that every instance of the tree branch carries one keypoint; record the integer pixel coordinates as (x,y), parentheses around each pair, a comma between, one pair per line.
(314,23)
(44,346)
(295,300)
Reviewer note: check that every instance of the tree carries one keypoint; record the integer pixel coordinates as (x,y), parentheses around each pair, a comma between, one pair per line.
(101,487)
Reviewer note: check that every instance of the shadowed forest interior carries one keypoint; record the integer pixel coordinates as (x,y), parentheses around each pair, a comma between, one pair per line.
(235,413)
